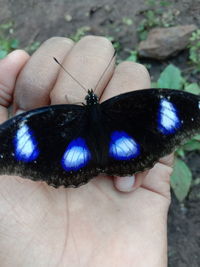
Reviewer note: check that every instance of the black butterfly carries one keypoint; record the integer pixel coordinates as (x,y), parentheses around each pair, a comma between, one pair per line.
(69,144)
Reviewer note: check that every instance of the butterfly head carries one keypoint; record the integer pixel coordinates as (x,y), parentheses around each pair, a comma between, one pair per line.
(91,98)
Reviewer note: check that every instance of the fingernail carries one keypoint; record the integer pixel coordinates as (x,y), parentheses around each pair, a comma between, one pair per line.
(125,184)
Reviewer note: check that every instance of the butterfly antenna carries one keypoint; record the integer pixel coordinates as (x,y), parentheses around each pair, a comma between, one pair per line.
(69,74)
(105,70)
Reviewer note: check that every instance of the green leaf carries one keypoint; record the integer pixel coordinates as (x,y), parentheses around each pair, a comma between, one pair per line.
(191,145)
(150,2)
(170,78)
(4,45)
(197,137)
(143,35)
(181,179)
(3,54)
(180,152)
(32,47)
(127,21)
(165,3)
(196,181)
(192,88)
(80,32)
(14,44)
(133,56)
(6,26)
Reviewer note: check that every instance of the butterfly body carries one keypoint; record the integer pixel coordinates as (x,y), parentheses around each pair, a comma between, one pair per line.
(69,144)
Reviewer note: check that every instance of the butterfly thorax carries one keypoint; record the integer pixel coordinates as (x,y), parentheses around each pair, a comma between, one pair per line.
(91,98)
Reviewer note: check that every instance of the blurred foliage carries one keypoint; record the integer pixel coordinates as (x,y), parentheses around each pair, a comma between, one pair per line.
(7,43)
(116,44)
(32,47)
(133,56)
(127,21)
(157,14)
(194,50)
(80,32)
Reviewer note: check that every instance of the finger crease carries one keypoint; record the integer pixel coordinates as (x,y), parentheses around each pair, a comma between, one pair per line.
(5,96)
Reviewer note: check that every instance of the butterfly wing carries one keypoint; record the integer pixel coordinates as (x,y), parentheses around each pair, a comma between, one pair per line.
(48,144)
(145,125)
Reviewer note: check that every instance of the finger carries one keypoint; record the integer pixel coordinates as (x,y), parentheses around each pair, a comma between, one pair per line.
(128,183)
(158,178)
(39,75)
(167,160)
(10,67)
(86,62)
(128,76)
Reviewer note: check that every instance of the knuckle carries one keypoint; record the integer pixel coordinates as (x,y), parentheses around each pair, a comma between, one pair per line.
(57,39)
(100,40)
(5,95)
(127,65)
(133,68)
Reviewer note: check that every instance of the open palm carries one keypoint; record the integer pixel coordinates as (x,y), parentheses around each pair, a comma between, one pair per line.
(96,224)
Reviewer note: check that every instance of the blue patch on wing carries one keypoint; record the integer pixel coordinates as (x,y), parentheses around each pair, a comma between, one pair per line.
(123,146)
(76,155)
(26,148)
(168,119)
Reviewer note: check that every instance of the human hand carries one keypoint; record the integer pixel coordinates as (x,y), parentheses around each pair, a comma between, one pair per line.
(94,225)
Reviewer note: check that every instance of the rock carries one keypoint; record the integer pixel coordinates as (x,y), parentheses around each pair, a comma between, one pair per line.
(164,42)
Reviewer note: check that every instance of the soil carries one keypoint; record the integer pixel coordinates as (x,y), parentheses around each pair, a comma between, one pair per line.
(40,20)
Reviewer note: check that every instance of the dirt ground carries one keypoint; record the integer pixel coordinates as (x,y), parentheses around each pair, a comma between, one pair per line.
(40,20)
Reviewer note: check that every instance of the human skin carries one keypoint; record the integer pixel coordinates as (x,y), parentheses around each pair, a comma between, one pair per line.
(109,222)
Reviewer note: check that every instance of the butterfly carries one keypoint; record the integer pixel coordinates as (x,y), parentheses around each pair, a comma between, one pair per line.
(67,145)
